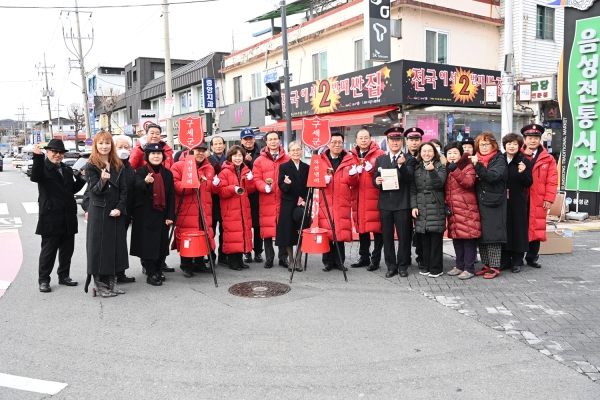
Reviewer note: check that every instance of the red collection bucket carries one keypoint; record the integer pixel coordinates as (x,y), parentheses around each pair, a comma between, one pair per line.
(193,244)
(315,241)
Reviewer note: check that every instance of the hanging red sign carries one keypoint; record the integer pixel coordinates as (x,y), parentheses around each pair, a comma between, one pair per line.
(189,176)
(191,133)
(316,177)
(315,132)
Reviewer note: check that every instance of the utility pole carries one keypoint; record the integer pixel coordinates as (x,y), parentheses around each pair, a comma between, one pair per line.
(506,103)
(168,88)
(57,109)
(47,93)
(22,115)
(287,136)
(77,51)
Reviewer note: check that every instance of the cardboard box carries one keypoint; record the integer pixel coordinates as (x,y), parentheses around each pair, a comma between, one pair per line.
(556,242)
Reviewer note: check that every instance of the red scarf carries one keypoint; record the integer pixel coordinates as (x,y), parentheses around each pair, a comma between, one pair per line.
(158,200)
(486,159)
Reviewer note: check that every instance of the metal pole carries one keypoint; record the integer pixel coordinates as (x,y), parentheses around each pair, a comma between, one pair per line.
(88,130)
(287,136)
(168,88)
(507,106)
(48,98)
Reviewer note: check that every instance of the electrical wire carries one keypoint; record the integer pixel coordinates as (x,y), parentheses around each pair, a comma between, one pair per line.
(98,7)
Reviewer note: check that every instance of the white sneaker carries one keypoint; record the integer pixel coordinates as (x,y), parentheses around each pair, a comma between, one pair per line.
(430,275)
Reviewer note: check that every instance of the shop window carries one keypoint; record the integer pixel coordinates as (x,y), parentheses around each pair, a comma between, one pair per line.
(359,56)
(256,85)
(436,46)
(319,65)
(545,23)
(237,89)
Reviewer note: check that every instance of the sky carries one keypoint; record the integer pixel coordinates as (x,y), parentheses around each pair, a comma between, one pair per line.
(120,36)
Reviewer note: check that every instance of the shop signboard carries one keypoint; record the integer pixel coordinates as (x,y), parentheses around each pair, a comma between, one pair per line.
(442,84)
(377,35)
(209,97)
(582,91)
(407,82)
(579,76)
(543,88)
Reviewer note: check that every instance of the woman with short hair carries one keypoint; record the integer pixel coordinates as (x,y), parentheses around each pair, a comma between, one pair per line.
(293,176)
(490,186)
(517,221)
(236,182)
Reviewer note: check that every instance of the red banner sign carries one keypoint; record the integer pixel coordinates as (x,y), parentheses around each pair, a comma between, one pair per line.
(189,177)
(191,133)
(316,175)
(315,132)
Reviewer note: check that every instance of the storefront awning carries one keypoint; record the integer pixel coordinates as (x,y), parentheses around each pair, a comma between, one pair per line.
(360,117)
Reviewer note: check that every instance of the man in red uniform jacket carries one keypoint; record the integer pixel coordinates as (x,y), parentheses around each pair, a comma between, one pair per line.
(153,132)
(543,191)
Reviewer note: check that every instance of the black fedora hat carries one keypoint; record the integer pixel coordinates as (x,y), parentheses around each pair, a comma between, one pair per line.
(56,144)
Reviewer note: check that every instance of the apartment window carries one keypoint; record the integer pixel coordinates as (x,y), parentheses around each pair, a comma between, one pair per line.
(237,89)
(545,23)
(319,65)
(130,113)
(436,46)
(359,56)
(256,85)
(128,79)
(135,76)
(154,105)
(158,74)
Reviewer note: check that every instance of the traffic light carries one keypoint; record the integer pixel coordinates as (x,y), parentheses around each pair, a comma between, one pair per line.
(274,100)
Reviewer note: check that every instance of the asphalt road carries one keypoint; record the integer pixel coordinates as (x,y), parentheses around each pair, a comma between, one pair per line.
(369,337)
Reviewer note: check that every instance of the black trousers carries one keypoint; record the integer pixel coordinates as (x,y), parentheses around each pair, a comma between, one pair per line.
(152,266)
(254,211)
(365,244)
(235,259)
(418,243)
(270,251)
(399,221)
(332,257)
(533,251)
(51,244)
(433,244)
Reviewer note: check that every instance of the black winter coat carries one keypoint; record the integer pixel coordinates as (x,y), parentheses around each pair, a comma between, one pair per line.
(150,233)
(517,220)
(490,188)
(427,193)
(106,240)
(287,228)
(57,206)
(393,200)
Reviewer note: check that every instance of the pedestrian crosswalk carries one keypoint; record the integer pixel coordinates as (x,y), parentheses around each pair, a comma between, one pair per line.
(30,208)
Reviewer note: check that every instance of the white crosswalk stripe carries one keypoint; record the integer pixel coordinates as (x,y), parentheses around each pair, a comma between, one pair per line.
(3,208)
(31,385)
(31,207)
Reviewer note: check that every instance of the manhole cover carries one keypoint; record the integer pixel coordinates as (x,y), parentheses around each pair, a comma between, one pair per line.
(259,289)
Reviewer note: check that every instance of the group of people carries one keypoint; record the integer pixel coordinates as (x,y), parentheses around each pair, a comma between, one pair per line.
(256,197)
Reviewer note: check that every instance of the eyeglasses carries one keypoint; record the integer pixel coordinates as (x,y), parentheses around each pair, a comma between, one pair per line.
(336,143)
(485,144)
(292,150)
(62,153)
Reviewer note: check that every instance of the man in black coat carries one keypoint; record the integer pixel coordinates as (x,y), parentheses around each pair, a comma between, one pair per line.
(217,159)
(252,153)
(394,204)
(57,222)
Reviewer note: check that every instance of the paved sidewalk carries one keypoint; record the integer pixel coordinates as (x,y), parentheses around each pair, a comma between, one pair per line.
(555,309)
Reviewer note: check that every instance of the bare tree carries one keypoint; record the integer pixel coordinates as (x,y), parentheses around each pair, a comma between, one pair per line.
(108,99)
(76,114)
(20,141)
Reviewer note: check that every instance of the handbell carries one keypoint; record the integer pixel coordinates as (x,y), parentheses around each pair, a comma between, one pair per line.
(240,191)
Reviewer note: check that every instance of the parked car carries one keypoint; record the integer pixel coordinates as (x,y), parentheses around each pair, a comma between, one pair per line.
(1,163)
(26,168)
(20,160)
(79,165)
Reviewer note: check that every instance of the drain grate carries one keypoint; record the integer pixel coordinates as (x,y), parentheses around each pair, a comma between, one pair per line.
(259,289)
